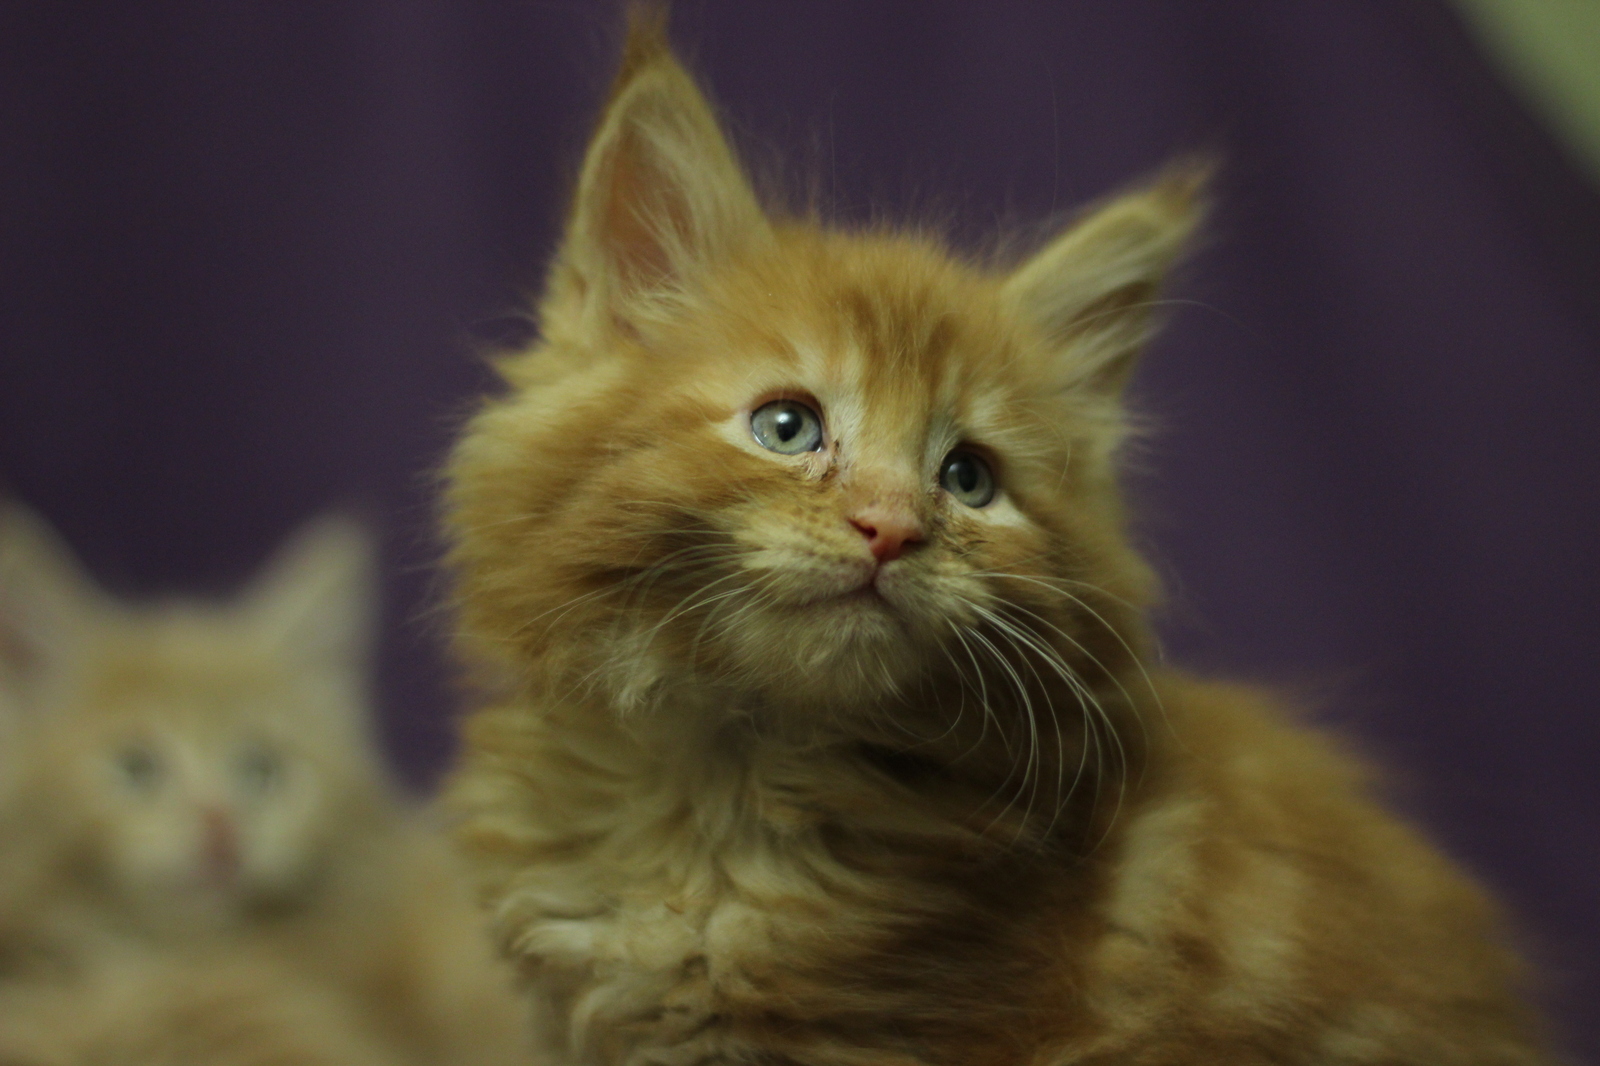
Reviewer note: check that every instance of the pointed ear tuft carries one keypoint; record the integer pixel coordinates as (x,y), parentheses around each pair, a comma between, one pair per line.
(660,195)
(1092,290)
(647,42)
(316,599)
(48,602)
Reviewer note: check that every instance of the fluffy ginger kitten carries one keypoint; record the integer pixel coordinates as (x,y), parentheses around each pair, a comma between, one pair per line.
(821,733)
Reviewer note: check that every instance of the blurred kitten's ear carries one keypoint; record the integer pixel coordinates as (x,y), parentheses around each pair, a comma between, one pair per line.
(660,196)
(317,597)
(1093,289)
(48,603)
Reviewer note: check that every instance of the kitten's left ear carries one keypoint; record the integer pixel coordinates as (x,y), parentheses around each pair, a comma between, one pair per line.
(661,195)
(316,599)
(1092,290)
(49,605)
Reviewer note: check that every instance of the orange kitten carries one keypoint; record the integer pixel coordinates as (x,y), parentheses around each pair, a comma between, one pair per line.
(202,778)
(829,728)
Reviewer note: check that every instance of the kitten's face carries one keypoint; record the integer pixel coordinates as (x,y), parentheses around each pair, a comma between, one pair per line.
(195,765)
(861,486)
(196,762)
(819,467)
(816,486)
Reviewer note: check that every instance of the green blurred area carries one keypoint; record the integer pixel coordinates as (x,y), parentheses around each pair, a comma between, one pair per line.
(1550,52)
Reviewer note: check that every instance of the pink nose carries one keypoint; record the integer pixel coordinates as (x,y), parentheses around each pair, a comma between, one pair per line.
(220,842)
(888,533)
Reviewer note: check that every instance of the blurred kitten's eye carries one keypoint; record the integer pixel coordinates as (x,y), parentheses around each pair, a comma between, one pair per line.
(968,478)
(259,770)
(787,427)
(139,767)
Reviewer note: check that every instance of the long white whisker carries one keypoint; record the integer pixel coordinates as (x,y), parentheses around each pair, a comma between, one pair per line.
(983,693)
(1095,716)
(1024,641)
(1027,706)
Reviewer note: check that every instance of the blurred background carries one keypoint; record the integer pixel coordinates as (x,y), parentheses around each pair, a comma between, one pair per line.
(252,255)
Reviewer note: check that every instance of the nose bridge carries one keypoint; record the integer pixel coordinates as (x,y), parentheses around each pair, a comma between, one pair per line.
(883,464)
(886,489)
(881,485)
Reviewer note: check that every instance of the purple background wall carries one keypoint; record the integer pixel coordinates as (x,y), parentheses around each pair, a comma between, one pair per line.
(247,252)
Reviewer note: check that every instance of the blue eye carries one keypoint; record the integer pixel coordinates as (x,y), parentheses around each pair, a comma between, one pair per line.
(259,769)
(139,767)
(968,478)
(787,427)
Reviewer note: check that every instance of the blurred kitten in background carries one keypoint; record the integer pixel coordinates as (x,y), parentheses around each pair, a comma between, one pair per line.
(195,763)
(151,1011)
(202,779)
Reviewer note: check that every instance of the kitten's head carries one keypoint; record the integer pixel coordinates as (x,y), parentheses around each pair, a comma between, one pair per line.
(819,467)
(196,759)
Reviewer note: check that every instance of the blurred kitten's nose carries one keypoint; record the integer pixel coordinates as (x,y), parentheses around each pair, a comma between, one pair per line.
(889,532)
(221,842)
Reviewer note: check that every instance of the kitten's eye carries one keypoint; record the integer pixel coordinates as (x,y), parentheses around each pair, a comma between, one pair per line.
(787,427)
(968,478)
(259,770)
(139,767)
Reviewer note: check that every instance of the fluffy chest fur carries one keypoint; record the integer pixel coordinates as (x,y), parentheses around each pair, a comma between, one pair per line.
(725,899)
(738,906)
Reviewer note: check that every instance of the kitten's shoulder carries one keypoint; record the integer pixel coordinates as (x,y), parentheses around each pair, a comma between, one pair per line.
(1259,854)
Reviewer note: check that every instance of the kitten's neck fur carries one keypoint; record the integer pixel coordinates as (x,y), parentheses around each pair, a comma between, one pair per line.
(1032,763)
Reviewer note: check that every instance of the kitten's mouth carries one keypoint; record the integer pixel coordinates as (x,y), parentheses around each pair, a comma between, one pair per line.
(833,588)
(865,594)
(870,592)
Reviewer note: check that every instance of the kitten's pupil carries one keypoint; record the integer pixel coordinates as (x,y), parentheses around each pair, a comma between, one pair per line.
(787,424)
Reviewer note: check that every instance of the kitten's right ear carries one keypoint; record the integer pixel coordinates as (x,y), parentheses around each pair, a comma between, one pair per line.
(48,602)
(316,599)
(660,196)
(1092,291)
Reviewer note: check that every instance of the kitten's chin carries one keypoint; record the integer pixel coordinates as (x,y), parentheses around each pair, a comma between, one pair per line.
(842,650)
(185,907)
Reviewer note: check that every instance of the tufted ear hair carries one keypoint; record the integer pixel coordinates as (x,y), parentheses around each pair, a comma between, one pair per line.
(1092,290)
(660,195)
